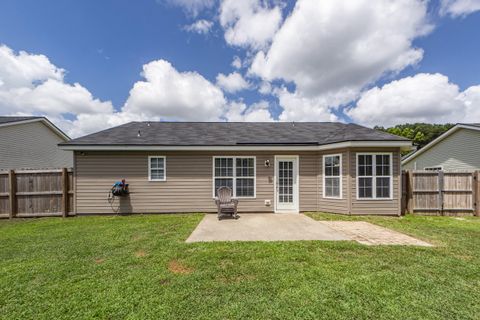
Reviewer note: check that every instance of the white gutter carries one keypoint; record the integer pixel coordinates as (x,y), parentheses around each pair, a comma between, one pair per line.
(404,145)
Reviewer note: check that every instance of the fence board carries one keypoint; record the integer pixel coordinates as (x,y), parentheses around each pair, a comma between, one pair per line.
(36,193)
(442,192)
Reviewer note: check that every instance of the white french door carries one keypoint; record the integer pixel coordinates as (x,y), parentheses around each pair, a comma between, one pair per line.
(286,184)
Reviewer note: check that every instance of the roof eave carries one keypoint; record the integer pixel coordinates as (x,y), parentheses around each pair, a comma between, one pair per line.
(403,144)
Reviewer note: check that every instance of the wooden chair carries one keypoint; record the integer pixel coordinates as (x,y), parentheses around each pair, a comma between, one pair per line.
(225,204)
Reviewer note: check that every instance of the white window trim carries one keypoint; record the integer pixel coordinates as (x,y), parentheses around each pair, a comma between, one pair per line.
(164,169)
(234,177)
(374,175)
(340,176)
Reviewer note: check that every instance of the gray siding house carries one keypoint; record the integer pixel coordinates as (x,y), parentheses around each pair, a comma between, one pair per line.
(458,149)
(271,167)
(32,143)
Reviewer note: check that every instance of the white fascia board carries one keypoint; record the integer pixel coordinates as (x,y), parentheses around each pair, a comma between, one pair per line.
(387,144)
(55,129)
(467,126)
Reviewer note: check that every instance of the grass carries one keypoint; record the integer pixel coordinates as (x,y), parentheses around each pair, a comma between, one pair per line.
(139,267)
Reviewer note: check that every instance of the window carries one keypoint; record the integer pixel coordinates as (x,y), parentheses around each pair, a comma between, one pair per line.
(374,176)
(332,176)
(237,173)
(156,168)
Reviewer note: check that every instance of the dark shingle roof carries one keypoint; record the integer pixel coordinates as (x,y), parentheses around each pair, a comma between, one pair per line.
(5,119)
(231,133)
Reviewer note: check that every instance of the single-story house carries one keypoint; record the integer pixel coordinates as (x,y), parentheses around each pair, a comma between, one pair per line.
(32,143)
(271,167)
(458,149)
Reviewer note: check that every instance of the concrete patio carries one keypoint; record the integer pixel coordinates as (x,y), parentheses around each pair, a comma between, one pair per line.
(291,227)
(263,227)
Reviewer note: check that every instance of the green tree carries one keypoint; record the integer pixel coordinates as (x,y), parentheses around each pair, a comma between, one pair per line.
(420,133)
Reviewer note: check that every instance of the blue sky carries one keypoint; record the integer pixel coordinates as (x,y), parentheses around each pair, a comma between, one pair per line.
(103,46)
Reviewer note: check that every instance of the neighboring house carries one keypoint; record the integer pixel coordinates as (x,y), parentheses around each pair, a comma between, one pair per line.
(457,149)
(32,143)
(272,167)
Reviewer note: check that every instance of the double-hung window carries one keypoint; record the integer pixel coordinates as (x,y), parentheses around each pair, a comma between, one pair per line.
(374,175)
(237,173)
(332,176)
(156,168)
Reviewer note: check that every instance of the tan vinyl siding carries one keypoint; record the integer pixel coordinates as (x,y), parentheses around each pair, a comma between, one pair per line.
(31,146)
(379,207)
(188,186)
(459,151)
(308,180)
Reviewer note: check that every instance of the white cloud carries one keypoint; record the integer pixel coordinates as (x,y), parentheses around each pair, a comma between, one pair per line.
(257,112)
(456,8)
(471,100)
(200,26)
(298,108)
(237,62)
(265,87)
(335,48)
(420,98)
(249,23)
(191,7)
(23,69)
(52,97)
(232,83)
(173,95)
(31,84)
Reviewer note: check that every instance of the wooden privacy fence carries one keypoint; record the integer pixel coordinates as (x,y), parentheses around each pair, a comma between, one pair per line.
(441,192)
(36,193)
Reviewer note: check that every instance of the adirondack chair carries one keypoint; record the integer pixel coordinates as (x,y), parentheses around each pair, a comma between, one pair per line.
(225,204)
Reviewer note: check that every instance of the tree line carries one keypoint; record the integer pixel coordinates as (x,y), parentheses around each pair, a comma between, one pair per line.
(420,133)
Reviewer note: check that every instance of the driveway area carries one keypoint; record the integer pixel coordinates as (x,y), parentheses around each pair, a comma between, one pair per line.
(263,227)
(290,227)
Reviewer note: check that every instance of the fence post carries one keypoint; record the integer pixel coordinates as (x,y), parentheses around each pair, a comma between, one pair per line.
(13,194)
(440,191)
(64,192)
(476,192)
(404,199)
(409,180)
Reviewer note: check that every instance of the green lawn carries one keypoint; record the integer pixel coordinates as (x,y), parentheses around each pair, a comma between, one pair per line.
(138,267)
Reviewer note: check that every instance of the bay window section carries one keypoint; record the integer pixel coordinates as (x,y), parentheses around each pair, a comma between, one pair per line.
(374,176)
(332,176)
(237,173)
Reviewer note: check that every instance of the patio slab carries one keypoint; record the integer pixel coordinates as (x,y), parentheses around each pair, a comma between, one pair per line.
(263,227)
(292,227)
